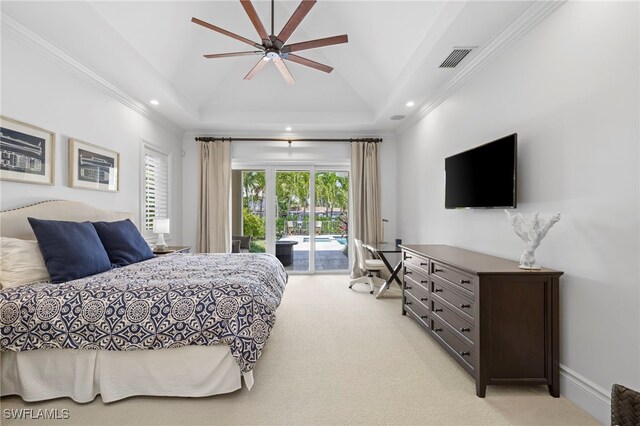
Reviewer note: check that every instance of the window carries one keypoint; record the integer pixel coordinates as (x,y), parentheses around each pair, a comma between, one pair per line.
(156,188)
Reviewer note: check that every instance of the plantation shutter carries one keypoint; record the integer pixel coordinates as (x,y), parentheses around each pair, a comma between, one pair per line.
(156,188)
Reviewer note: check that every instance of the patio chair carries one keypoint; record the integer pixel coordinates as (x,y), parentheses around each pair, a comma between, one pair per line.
(243,246)
(318,228)
(291,229)
(369,266)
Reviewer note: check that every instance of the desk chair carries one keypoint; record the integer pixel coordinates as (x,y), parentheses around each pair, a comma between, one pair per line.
(369,266)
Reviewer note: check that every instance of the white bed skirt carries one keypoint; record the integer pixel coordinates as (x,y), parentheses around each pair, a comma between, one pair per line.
(81,375)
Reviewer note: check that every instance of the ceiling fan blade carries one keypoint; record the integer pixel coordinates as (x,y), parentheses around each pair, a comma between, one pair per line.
(313,44)
(308,62)
(256,69)
(228,55)
(303,8)
(282,67)
(225,32)
(257,23)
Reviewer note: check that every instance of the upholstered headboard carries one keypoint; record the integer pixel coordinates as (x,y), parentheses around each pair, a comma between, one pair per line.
(14,223)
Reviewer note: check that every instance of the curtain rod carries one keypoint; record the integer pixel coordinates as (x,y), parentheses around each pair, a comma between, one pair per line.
(215,139)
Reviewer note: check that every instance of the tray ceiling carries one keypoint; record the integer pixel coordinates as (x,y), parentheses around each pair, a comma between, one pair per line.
(151,50)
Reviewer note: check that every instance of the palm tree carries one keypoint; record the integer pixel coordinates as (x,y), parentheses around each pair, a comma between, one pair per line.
(254,185)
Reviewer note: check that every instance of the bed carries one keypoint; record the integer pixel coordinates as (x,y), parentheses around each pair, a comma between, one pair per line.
(176,325)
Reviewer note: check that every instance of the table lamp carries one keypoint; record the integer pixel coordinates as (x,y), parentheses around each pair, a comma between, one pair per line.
(161,227)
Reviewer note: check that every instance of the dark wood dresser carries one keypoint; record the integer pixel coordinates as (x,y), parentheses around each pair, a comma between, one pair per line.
(499,322)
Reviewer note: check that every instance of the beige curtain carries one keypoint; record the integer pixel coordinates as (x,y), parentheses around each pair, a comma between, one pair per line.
(214,224)
(366,218)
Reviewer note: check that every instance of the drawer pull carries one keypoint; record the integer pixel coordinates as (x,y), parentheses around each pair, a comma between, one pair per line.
(438,270)
(465,353)
(465,281)
(406,256)
(437,330)
(408,302)
(464,330)
(408,288)
(408,272)
(424,316)
(424,264)
(422,299)
(424,282)
(437,290)
(464,306)
(437,310)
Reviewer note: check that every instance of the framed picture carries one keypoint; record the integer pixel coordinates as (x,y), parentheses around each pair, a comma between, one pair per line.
(93,167)
(26,152)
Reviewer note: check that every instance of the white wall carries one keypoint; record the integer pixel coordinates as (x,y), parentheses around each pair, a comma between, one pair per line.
(40,92)
(281,153)
(570,90)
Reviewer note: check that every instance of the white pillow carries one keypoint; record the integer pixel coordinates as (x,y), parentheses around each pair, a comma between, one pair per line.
(21,263)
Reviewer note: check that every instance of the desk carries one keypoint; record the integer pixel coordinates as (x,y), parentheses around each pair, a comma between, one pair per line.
(379,251)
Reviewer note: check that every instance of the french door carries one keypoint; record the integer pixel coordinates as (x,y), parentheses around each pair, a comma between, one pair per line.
(298,212)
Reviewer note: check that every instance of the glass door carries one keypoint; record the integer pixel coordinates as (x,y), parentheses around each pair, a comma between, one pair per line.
(249,210)
(293,219)
(299,213)
(331,226)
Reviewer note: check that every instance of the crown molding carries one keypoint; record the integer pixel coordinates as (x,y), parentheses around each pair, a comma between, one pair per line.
(532,16)
(15,29)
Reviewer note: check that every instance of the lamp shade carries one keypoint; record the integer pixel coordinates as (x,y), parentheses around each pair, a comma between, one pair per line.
(161,226)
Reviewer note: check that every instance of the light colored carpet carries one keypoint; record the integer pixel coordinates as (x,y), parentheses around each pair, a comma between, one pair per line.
(338,356)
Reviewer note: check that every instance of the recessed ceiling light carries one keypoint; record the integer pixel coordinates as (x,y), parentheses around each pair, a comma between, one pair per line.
(396,117)
(288,129)
(410,103)
(154,102)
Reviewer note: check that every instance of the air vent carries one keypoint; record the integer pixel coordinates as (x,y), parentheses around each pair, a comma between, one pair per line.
(455,57)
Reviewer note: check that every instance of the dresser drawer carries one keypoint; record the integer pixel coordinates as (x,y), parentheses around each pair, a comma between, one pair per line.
(417,310)
(417,294)
(418,274)
(419,263)
(463,352)
(464,329)
(454,276)
(448,293)
(418,307)
(419,289)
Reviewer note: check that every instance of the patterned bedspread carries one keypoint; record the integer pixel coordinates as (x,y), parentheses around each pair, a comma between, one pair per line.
(165,302)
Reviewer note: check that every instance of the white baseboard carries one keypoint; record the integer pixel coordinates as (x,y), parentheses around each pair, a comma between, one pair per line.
(587,395)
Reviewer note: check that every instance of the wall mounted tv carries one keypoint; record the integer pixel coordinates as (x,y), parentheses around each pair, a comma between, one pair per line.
(483,177)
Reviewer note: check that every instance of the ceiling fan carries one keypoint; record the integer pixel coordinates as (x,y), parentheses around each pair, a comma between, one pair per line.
(273,48)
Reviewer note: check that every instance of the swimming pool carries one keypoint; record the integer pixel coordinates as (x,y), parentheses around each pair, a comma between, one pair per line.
(319,239)
(341,240)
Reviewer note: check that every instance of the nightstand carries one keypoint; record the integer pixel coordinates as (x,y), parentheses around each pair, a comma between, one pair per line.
(172,249)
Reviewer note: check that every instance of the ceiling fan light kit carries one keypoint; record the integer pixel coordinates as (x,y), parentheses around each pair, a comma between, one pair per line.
(273,48)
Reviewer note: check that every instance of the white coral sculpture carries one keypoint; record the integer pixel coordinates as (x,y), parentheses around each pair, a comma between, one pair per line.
(532,230)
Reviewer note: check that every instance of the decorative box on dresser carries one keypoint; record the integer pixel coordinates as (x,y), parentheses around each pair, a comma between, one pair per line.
(499,322)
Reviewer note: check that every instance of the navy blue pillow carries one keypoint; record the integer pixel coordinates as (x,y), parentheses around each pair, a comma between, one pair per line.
(123,242)
(71,250)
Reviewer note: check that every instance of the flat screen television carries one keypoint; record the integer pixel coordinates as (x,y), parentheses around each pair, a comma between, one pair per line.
(483,177)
